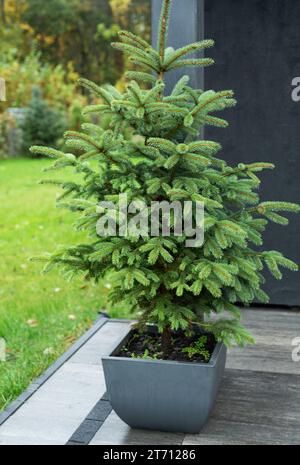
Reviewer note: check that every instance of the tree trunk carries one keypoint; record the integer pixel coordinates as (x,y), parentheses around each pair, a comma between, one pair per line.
(2,9)
(166,340)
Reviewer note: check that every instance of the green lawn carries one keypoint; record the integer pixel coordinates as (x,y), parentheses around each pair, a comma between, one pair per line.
(40,315)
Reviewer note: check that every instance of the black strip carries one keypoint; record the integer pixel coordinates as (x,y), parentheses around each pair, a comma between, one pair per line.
(16,404)
(274,307)
(92,423)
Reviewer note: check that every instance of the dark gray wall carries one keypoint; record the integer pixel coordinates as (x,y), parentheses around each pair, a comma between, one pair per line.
(257,54)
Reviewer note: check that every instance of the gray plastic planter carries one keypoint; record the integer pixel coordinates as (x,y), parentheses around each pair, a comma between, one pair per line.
(163,395)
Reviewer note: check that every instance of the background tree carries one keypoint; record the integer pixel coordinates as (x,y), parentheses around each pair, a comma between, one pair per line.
(48,44)
(3,14)
(76,37)
(41,123)
(11,32)
(73,33)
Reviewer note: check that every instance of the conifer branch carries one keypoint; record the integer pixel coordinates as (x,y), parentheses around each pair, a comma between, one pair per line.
(132,39)
(186,50)
(163,28)
(48,152)
(190,63)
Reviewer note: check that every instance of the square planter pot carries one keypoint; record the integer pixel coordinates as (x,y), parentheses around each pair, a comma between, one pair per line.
(163,395)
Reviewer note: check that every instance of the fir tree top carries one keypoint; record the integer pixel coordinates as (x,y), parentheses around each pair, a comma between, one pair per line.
(152,151)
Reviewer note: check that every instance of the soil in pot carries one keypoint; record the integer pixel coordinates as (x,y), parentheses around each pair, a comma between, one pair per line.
(195,348)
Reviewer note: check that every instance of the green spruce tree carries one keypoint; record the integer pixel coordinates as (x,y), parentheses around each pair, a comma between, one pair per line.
(42,124)
(152,152)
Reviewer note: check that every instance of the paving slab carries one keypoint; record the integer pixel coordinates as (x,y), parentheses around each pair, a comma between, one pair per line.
(116,432)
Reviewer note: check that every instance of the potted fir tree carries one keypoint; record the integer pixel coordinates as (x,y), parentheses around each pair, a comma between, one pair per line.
(165,374)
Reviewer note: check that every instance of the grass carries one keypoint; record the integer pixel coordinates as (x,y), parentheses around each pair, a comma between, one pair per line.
(40,315)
